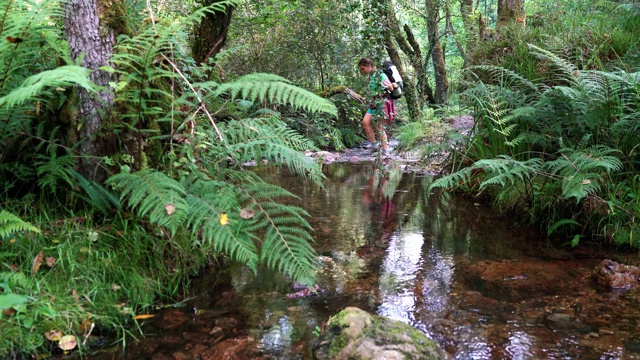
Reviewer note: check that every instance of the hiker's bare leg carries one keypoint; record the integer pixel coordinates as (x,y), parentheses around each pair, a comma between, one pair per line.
(368,127)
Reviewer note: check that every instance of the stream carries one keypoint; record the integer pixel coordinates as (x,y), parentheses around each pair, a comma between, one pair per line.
(477,282)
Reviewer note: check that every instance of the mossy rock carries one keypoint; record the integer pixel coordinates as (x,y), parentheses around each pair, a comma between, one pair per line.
(356,334)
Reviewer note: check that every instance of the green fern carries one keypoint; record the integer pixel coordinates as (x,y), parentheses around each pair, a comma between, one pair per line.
(259,230)
(47,81)
(275,89)
(583,171)
(265,138)
(10,224)
(153,195)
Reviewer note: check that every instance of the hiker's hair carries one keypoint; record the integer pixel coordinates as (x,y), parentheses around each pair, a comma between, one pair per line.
(365,61)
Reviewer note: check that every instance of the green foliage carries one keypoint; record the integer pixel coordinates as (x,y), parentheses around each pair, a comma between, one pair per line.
(36,73)
(10,224)
(42,84)
(275,89)
(187,203)
(552,145)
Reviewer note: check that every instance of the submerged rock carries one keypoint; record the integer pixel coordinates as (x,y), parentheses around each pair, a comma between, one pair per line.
(611,275)
(356,334)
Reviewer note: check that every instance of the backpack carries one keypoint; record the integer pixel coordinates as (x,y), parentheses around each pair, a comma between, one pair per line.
(394,76)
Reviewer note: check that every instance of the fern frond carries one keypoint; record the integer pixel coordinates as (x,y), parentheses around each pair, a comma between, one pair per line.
(564,71)
(276,89)
(153,195)
(286,243)
(582,171)
(52,168)
(264,138)
(10,224)
(505,171)
(260,229)
(35,85)
(208,200)
(455,180)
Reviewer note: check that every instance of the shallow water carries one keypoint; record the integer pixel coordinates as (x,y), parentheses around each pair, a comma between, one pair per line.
(478,283)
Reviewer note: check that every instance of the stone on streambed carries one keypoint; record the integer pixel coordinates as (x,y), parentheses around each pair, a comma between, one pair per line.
(613,276)
(356,334)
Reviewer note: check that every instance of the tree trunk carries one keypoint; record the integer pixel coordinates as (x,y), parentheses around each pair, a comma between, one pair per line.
(451,29)
(470,33)
(415,54)
(90,35)
(437,53)
(511,12)
(393,32)
(211,33)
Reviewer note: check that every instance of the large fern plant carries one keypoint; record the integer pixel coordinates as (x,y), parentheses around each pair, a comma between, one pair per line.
(556,146)
(200,187)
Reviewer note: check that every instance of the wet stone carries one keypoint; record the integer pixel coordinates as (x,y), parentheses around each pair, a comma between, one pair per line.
(173,319)
(196,337)
(143,349)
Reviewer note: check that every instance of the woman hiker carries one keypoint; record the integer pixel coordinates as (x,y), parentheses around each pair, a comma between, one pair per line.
(381,106)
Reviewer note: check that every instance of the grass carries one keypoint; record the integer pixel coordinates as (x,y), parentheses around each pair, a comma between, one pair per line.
(87,274)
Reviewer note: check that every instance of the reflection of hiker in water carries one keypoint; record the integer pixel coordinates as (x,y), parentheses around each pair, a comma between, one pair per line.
(378,196)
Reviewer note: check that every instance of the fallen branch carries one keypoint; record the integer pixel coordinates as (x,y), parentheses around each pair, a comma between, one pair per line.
(344,90)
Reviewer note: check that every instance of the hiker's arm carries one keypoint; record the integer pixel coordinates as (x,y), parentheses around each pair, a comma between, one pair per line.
(387,84)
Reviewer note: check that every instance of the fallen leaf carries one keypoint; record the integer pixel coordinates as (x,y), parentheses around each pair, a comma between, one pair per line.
(170,209)
(50,261)
(68,342)
(247,213)
(143,316)
(53,335)
(37,261)
(224,219)
(15,40)
(8,312)
(115,287)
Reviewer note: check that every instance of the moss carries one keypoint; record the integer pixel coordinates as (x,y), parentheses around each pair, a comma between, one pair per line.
(113,16)
(410,341)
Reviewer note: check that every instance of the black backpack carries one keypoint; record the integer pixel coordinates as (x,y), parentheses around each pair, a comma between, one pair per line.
(392,73)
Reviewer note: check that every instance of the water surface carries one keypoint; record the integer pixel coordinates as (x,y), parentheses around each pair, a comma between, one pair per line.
(479,283)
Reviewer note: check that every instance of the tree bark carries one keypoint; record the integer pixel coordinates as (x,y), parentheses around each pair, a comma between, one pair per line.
(393,32)
(437,53)
(470,33)
(415,55)
(90,36)
(211,33)
(511,12)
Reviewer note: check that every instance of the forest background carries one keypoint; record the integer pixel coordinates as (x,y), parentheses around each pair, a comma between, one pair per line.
(124,127)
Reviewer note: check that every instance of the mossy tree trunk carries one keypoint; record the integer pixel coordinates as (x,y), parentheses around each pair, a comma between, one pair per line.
(511,12)
(90,35)
(470,32)
(437,52)
(211,33)
(393,32)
